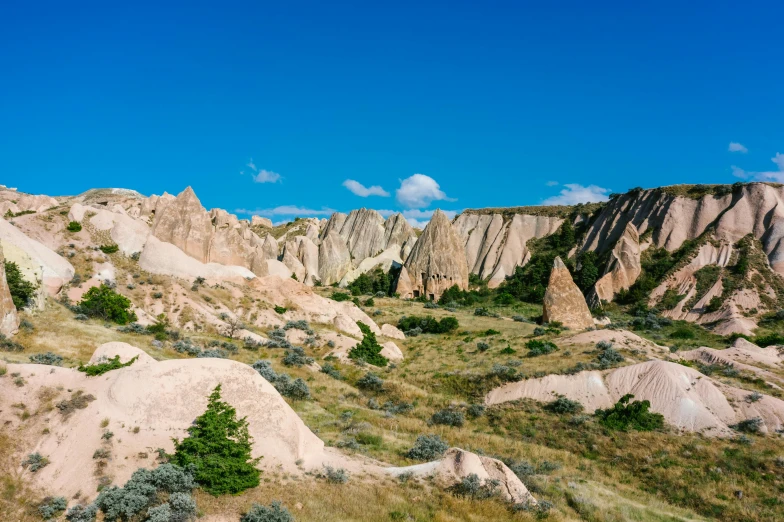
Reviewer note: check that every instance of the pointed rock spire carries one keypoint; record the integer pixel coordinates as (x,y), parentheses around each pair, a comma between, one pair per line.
(563,300)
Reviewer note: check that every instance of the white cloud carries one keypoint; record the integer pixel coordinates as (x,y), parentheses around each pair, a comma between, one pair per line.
(286,210)
(266,176)
(419,191)
(261,175)
(737,147)
(361,190)
(574,193)
(770,175)
(551,183)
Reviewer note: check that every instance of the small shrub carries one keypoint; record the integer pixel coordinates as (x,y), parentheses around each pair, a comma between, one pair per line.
(74,226)
(157,295)
(472,487)
(107,366)
(280,310)
(476,410)
(448,418)
(428,324)
(368,350)
(482,346)
(9,345)
(275,512)
(103,302)
(482,312)
(340,296)
(371,382)
(625,415)
(107,435)
(562,406)
(78,401)
(101,454)
(754,397)
(219,445)
(537,347)
(81,513)
(109,249)
(296,357)
(22,291)
(427,447)
(519,319)
(34,462)
(369,302)
(332,371)
(508,351)
(608,358)
(683,333)
(48,358)
(748,425)
(51,507)
(335,475)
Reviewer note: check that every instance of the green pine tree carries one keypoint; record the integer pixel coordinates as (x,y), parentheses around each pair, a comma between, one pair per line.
(219,446)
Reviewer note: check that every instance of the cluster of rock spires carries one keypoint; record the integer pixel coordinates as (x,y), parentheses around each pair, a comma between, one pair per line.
(177,236)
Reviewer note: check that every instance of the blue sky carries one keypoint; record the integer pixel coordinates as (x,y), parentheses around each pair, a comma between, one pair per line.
(298,108)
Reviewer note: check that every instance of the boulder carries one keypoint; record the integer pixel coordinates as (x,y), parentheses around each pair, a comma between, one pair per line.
(9,320)
(563,300)
(437,261)
(388,330)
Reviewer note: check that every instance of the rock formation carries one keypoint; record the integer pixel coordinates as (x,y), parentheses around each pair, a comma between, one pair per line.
(563,301)
(9,320)
(436,262)
(686,398)
(334,259)
(495,243)
(260,222)
(367,234)
(623,267)
(56,271)
(184,223)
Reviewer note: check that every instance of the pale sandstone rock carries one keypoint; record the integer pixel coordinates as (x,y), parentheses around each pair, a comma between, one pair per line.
(495,245)
(687,399)
(391,331)
(391,351)
(563,301)
(9,320)
(623,267)
(162,398)
(261,221)
(31,271)
(163,258)
(386,260)
(334,258)
(184,223)
(437,261)
(56,271)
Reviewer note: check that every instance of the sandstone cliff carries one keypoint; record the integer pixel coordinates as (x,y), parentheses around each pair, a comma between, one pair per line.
(495,243)
(563,301)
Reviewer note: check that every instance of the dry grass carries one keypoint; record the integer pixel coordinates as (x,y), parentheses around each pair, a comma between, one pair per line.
(600,476)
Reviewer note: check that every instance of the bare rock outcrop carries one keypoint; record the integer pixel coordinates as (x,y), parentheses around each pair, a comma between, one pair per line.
(686,398)
(258,221)
(55,270)
(563,301)
(436,262)
(367,234)
(623,267)
(334,258)
(495,243)
(398,232)
(304,251)
(184,223)
(9,320)
(458,464)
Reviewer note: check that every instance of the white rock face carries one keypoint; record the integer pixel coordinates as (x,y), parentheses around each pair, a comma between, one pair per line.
(386,260)
(391,331)
(162,398)
(623,267)
(563,300)
(56,271)
(754,208)
(9,320)
(687,399)
(261,221)
(334,259)
(436,262)
(163,258)
(496,245)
